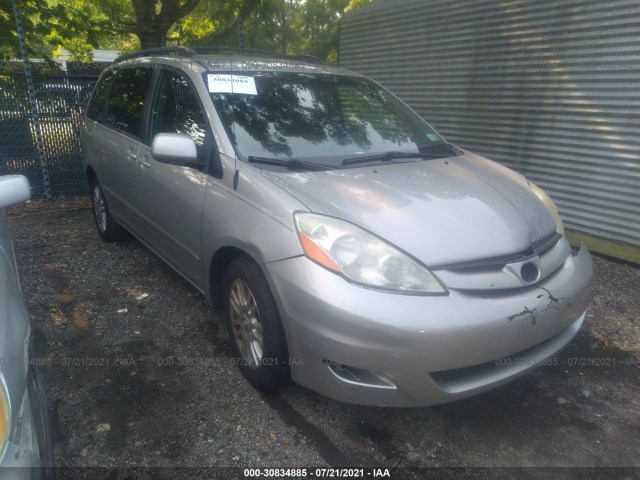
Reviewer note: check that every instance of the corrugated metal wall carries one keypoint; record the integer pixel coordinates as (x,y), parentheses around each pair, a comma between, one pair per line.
(550,89)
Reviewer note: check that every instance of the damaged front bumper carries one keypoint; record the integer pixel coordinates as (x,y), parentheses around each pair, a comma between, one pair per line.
(370,347)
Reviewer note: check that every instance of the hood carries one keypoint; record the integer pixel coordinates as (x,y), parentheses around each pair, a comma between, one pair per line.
(441,211)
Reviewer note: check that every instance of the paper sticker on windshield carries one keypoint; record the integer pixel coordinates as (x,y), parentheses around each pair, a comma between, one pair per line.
(231,84)
(433,137)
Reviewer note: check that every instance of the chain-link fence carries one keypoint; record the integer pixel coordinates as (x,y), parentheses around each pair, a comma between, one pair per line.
(60,102)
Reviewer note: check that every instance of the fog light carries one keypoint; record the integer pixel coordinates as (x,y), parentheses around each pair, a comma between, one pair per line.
(359,376)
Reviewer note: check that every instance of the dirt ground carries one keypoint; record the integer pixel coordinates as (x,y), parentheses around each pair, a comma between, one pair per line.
(139,374)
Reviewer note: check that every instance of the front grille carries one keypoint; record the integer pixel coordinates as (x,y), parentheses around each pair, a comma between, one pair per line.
(498,263)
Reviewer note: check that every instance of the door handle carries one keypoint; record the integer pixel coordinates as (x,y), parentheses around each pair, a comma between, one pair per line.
(131,156)
(144,162)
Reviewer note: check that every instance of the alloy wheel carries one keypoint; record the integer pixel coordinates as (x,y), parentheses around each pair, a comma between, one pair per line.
(245,322)
(99,208)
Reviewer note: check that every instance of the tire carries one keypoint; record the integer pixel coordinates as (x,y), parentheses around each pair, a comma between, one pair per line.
(253,323)
(37,399)
(108,229)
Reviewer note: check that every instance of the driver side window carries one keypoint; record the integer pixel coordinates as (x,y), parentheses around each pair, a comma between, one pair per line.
(175,109)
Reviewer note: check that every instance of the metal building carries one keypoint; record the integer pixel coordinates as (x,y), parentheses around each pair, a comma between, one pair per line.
(550,89)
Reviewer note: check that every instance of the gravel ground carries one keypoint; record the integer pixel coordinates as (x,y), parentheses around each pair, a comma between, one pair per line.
(139,373)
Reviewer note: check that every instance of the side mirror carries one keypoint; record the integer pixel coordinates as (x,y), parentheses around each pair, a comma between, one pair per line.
(14,189)
(175,149)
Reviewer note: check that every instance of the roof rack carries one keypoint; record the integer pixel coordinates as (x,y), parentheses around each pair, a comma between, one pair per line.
(194,52)
(249,51)
(308,58)
(178,51)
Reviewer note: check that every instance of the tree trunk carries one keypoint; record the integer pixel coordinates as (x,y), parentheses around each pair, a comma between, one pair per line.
(153,26)
(151,38)
(283,27)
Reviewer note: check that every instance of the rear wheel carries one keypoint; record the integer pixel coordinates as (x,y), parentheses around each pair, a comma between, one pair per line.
(254,326)
(109,230)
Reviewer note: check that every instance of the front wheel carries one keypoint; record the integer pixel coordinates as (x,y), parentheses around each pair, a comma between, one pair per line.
(42,430)
(108,229)
(254,326)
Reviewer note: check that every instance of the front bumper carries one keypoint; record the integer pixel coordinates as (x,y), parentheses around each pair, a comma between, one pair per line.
(369,347)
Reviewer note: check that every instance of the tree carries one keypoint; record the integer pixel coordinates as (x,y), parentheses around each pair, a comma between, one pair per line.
(94,29)
(154,19)
(216,22)
(40,21)
(353,4)
(319,27)
(81,25)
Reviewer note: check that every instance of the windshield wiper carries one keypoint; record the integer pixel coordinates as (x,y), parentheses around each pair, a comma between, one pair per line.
(291,163)
(390,156)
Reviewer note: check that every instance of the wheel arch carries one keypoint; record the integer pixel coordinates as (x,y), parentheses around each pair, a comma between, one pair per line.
(90,174)
(217,268)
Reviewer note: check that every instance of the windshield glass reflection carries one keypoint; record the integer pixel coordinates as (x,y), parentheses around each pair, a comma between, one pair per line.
(322,117)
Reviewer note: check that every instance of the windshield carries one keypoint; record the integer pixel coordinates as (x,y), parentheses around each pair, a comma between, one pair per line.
(317,117)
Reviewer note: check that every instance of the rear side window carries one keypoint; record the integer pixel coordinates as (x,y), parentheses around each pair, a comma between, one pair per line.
(95,109)
(126,103)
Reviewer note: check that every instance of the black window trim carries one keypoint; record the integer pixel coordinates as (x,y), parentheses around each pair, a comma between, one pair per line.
(106,100)
(143,128)
(214,165)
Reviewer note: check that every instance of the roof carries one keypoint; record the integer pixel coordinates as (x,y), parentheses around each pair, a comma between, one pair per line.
(212,59)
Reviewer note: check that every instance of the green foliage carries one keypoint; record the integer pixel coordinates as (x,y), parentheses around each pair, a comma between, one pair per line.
(81,25)
(79,50)
(299,27)
(353,4)
(76,25)
(319,26)
(193,29)
(216,22)
(288,26)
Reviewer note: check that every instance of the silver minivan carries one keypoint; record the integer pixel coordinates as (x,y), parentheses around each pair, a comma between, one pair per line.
(352,248)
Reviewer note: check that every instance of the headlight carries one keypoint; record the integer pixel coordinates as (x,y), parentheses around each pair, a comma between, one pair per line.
(5,416)
(361,257)
(551,206)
